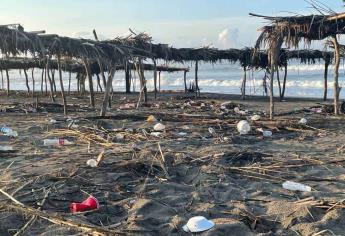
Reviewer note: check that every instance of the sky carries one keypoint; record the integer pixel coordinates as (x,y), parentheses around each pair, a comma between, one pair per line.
(180,23)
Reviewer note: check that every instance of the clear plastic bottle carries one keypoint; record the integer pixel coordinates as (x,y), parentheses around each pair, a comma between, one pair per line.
(56,142)
(290,185)
(8,132)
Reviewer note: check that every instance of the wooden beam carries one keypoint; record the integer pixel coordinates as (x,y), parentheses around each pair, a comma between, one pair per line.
(62,87)
(107,90)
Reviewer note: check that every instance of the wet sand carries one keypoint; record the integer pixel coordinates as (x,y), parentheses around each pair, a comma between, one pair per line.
(234,180)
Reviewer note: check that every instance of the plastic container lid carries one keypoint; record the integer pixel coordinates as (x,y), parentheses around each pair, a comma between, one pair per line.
(197,224)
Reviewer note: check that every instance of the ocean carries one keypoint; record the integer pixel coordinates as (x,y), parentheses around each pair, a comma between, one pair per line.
(302,80)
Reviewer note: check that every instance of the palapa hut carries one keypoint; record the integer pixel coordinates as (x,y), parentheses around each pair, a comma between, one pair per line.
(292,30)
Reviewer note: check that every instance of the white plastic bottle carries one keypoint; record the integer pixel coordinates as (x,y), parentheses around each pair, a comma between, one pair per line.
(56,142)
(290,185)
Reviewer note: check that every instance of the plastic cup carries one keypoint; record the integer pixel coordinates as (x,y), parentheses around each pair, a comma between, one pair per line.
(89,204)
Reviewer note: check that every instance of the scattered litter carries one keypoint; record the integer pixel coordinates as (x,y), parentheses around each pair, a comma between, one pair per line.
(255,118)
(185,127)
(182,134)
(120,136)
(155,134)
(92,163)
(267,133)
(240,112)
(89,204)
(198,224)
(52,121)
(127,106)
(243,127)
(159,127)
(6,148)
(151,118)
(8,132)
(211,130)
(293,186)
(303,121)
(57,142)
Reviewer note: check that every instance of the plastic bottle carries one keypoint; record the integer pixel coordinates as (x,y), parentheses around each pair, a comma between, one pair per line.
(290,185)
(267,133)
(6,148)
(56,142)
(8,132)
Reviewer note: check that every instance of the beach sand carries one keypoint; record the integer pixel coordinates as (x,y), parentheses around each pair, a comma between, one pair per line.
(234,180)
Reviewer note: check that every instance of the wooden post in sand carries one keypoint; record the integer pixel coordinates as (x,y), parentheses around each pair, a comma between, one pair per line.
(88,72)
(8,83)
(279,85)
(50,81)
(196,79)
(42,80)
(244,81)
(325,76)
(33,82)
(128,78)
(155,77)
(69,82)
(159,81)
(185,81)
(336,74)
(62,87)
(2,80)
(27,81)
(284,83)
(99,83)
(107,90)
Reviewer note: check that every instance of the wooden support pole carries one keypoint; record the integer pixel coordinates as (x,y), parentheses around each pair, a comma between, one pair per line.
(279,84)
(196,78)
(99,83)
(89,75)
(42,80)
(2,79)
(284,83)
(62,87)
(159,81)
(8,83)
(155,77)
(325,76)
(271,91)
(53,79)
(50,81)
(33,82)
(69,82)
(27,81)
(45,80)
(336,74)
(107,90)
(128,78)
(244,81)
(185,81)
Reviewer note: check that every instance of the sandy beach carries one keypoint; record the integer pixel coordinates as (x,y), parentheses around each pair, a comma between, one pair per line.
(199,165)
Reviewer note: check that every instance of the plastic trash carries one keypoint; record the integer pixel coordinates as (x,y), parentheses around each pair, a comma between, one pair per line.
(293,186)
(53,121)
(6,148)
(159,127)
(267,133)
(182,134)
(211,130)
(303,121)
(198,224)
(8,132)
(155,134)
(92,163)
(89,204)
(151,118)
(243,127)
(56,142)
(120,136)
(127,106)
(255,118)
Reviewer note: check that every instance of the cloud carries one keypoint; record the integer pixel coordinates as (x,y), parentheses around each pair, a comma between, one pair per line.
(228,37)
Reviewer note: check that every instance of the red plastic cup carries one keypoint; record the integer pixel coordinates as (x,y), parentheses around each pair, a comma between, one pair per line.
(89,204)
